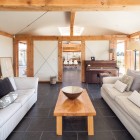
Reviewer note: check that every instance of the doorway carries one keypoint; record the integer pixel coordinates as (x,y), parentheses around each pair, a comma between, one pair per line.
(71,54)
(72,67)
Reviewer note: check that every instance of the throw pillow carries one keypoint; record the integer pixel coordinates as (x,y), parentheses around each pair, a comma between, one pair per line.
(120,86)
(135,98)
(127,80)
(5,87)
(8,99)
(136,81)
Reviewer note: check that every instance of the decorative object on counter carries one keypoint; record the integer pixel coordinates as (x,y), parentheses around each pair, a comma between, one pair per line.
(93,58)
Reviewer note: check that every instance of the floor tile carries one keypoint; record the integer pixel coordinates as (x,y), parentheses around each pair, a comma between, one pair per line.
(23,125)
(42,124)
(97,136)
(53,136)
(122,135)
(75,124)
(25,136)
(106,112)
(38,112)
(113,123)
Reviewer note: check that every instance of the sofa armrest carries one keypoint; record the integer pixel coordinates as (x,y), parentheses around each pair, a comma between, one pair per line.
(26,83)
(110,80)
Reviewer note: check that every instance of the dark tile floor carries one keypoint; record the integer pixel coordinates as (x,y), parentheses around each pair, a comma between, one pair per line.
(39,122)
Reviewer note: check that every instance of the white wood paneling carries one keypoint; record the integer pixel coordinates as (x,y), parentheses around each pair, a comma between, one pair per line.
(98,49)
(6,46)
(45,59)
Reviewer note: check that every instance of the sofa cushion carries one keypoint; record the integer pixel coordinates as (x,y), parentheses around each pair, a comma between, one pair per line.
(136,81)
(8,99)
(112,92)
(26,83)
(5,87)
(127,80)
(24,95)
(13,82)
(135,98)
(8,112)
(120,86)
(130,108)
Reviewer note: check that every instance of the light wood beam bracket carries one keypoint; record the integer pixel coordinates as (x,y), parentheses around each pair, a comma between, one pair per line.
(72,18)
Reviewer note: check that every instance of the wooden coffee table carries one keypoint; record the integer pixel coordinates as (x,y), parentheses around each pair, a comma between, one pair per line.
(81,106)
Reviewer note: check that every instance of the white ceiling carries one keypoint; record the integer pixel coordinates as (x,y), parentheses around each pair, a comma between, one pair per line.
(94,22)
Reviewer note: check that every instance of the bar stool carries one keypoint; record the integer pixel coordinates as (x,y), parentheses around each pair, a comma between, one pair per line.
(102,75)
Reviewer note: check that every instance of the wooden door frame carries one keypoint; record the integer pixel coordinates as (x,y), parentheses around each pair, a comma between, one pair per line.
(30,69)
(60,61)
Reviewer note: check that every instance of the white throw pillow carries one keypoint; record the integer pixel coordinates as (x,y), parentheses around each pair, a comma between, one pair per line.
(135,98)
(120,86)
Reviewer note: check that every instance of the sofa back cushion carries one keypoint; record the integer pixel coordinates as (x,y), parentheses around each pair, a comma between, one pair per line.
(127,80)
(5,87)
(136,81)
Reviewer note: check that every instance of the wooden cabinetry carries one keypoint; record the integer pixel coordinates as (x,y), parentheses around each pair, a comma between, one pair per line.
(93,68)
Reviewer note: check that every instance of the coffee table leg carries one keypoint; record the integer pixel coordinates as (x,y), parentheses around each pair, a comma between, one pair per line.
(90,125)
(59,125)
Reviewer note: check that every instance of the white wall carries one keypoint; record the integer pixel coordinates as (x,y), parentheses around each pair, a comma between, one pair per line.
(6,46)
(45,59)
(98,49)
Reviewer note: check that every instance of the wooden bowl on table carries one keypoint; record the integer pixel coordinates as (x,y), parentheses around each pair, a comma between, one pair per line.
(72,92)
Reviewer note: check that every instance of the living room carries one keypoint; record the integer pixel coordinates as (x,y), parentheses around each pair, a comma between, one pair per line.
(107,31)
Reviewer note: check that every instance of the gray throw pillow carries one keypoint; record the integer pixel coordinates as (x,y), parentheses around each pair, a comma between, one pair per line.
(127,80)
(8,99)
(136,81)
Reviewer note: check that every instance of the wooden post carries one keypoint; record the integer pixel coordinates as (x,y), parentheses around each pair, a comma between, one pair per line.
(15,56)
(83,60)
(30,59)
(60,61)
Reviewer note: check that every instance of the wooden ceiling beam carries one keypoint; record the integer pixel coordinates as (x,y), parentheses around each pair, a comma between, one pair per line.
(79,38)
(135,34)
(72,18)
(69,5)
(6,34)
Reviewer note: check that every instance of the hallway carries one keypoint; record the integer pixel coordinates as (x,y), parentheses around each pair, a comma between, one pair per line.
(72,76)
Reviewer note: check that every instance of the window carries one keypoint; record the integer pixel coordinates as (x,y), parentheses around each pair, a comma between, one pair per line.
(121,56)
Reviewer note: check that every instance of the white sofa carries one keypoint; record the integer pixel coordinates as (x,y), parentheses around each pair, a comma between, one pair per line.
(126,111)
(12,114)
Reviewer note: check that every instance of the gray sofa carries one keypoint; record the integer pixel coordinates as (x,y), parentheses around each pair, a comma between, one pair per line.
(12,114)
(126,111)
